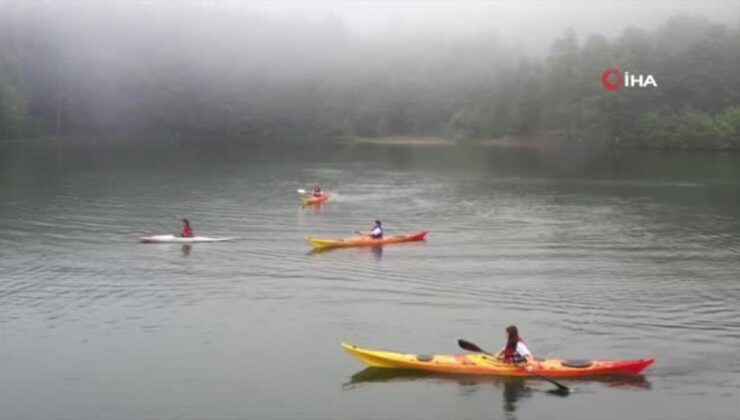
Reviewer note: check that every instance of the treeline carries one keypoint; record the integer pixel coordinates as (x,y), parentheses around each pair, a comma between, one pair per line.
(690,130)
(203,72)
(15,120)
(696,104)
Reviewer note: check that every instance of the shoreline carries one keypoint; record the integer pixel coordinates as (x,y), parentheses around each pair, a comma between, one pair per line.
(509,142)
(406,141)
(538,142)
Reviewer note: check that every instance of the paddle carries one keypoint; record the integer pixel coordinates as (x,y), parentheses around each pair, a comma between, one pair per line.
(467,345)
(301,191)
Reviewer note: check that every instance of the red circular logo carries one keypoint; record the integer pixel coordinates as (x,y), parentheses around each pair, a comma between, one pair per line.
(612,85)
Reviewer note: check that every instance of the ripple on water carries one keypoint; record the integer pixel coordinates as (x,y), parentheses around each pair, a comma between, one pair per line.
(610,268)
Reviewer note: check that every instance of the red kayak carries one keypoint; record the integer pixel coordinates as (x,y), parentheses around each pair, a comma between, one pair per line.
(315,200)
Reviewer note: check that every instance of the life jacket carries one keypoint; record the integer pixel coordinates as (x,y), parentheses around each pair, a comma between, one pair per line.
(187,231)
(511,356)
(318,193)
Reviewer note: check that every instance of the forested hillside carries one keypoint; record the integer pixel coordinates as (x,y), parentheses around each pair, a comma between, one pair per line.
(248,76)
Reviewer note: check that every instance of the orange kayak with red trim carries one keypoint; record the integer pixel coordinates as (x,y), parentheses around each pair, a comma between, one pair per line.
(480,364)
(319,243)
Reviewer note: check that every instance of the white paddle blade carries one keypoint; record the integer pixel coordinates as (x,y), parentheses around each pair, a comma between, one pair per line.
(300,191)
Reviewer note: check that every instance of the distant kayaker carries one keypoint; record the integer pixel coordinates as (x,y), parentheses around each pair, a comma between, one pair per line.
(187,230)
(515,351)
(377,231)
(317,192)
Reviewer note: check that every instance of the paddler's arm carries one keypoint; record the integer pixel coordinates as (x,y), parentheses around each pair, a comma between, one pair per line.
(500,354)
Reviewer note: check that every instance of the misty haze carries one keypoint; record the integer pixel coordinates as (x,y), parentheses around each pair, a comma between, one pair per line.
(485,71)
(223,209)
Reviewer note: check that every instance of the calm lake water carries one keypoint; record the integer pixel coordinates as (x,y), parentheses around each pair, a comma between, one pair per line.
(623,255)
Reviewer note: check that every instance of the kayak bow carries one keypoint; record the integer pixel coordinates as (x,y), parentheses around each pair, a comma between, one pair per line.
(479,364)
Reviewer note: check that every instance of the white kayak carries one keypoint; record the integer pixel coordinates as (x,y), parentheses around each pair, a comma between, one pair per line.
(162,239)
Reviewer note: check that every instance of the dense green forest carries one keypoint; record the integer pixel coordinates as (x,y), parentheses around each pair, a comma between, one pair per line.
(72,72)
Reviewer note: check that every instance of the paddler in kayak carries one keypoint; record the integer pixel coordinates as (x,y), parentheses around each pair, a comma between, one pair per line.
(187,230)
(318,192)
(515,351)
(376,232)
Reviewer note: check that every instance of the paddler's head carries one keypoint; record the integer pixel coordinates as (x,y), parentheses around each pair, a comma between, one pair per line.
(186,221)
(377,223)
(512,336)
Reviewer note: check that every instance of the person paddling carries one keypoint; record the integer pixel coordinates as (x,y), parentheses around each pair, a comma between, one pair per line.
(515,351)
(187,230)
(377,231)
(317,192)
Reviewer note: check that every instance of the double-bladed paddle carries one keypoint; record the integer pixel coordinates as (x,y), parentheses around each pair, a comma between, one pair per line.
(467,345)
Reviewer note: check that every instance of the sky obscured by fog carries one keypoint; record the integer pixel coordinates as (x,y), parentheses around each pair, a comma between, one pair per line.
(265,64)
(528,24)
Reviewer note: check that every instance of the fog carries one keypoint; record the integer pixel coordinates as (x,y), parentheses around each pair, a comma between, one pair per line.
(327,67)
(529,24)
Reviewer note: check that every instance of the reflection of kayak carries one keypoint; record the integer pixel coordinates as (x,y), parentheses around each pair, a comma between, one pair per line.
(159,239)
(314,200)
(319,243)
(479,364)
(380,375)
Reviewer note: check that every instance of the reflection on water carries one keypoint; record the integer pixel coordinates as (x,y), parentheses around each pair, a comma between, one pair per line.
(186,248)
(312,209)
(377,252)
(381,375)
(363,251)
(514,390)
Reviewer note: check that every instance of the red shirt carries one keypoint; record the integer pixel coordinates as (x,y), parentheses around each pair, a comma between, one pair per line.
(187,231)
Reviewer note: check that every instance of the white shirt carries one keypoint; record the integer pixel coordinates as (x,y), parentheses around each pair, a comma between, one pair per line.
(522,349)
(377,231)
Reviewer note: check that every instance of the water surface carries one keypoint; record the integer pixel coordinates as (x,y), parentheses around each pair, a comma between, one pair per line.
(622,255)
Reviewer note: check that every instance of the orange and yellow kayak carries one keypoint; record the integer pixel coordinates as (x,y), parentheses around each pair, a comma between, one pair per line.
(319,243)
(314,200)
(480,364)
